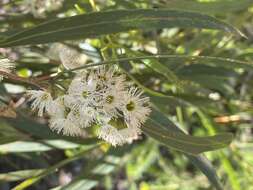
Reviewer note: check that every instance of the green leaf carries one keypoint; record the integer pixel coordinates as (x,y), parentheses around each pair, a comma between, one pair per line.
(30,126)
(156,66)
(81,184)
(211,7)
(186,143)
(42,131)
(31,146)
(206,70)
(8,139)
(101,23)
(19,175)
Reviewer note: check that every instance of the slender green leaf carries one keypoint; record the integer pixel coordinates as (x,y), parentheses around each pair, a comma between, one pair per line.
(31,146)
(8,139)
(186,143)
(42,131)
(100,23)
(211,7)
(19,175)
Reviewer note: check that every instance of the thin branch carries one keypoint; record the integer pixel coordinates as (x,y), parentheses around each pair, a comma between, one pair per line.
(157,56)
(45,77)
(20,79)
(114,61)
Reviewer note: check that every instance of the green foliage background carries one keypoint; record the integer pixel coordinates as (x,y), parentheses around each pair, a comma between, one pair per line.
(192,58)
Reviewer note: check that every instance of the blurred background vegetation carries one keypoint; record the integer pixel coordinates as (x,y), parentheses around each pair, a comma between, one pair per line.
(210,85)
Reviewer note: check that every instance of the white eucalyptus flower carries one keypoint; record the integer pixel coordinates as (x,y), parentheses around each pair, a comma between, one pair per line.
(106,78)
(130,134)
(88,116)
(6,66)
(136,109)
(116,136)
(42,100)
(111,135)
(63,119)
(103,74)
(112,101)
(81,93)
(66,126)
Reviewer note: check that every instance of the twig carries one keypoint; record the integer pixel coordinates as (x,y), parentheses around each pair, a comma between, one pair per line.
(114,61)
(45,77)
(20,79)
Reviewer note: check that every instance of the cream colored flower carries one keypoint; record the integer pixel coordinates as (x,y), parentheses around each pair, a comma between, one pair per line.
(6,66)
(107,78)
(110,135)
(112,101)
(63,119)
(82,93)
(116,136)
(103,74)
(64,125)
(88,116)
(136,108)
(42,100)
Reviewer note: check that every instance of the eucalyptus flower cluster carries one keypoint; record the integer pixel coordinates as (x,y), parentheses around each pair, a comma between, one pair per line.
(99,100)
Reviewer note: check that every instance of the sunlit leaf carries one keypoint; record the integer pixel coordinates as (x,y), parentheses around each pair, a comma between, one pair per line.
(45,145)
(19,175)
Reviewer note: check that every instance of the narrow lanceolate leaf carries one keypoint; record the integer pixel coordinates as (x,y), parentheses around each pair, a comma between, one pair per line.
(186,143)
(19,175)
(100,23)
(42,131)
(210,7)
(29,146)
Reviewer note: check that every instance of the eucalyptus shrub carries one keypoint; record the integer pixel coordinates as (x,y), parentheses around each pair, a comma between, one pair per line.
(107,77)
